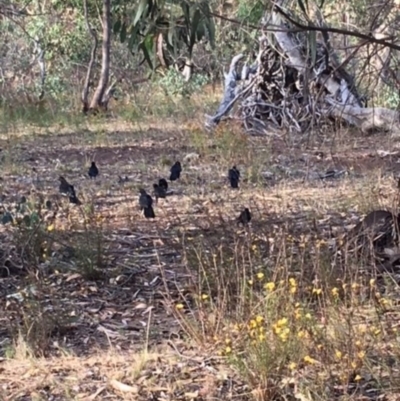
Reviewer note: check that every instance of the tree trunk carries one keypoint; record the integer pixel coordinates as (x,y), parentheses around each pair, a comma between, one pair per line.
(97,100)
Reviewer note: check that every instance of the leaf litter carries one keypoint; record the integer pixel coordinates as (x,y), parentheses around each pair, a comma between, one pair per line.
(105,323)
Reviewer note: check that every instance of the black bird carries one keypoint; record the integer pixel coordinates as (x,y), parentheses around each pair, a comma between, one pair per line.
(176,170)
(163,183)
(146,204)
(72,197)
(93,171)
(65,187)
(234,177)
(244,217)
(159,191)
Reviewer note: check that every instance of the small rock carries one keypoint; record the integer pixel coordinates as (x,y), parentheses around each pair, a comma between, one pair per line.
(268,175)
(191,157)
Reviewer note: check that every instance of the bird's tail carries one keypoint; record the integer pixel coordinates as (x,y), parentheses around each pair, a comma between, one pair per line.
(74,199)
(149,212)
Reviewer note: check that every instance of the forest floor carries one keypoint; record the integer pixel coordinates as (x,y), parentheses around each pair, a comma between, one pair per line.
(116,307)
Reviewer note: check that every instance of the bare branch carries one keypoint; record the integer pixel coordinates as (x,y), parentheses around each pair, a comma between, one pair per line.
(366,38)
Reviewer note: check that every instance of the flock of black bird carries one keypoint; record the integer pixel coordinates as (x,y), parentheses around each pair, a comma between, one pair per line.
(160,190)
(379,226)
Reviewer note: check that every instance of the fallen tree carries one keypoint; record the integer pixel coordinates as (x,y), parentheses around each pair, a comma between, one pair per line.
(297,82)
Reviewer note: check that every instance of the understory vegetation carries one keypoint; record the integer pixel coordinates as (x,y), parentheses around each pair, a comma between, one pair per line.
(97,302)
(268,304)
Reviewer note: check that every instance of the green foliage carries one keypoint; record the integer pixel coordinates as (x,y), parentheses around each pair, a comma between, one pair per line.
(390,97)
(25,213)
(250,11)
(181,24)
(173,83)
(61,43)
(57,40)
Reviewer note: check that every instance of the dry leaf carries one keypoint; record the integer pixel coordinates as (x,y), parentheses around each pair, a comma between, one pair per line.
(141,305)
(192,395)
(73,277)
(117,385)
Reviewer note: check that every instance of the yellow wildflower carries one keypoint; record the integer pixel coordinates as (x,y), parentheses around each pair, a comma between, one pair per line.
(259,319)
(284,334)
(179,306)
(282,322)
(302,334)
(260,275)
(269,286)
(309,360)
(252,324)
(361,354)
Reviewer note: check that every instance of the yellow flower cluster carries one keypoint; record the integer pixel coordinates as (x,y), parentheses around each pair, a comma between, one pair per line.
(317,291)
(256,329)
(292,285)
(281,329)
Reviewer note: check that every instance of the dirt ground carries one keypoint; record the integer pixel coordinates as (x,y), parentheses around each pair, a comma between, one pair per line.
(116,338)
